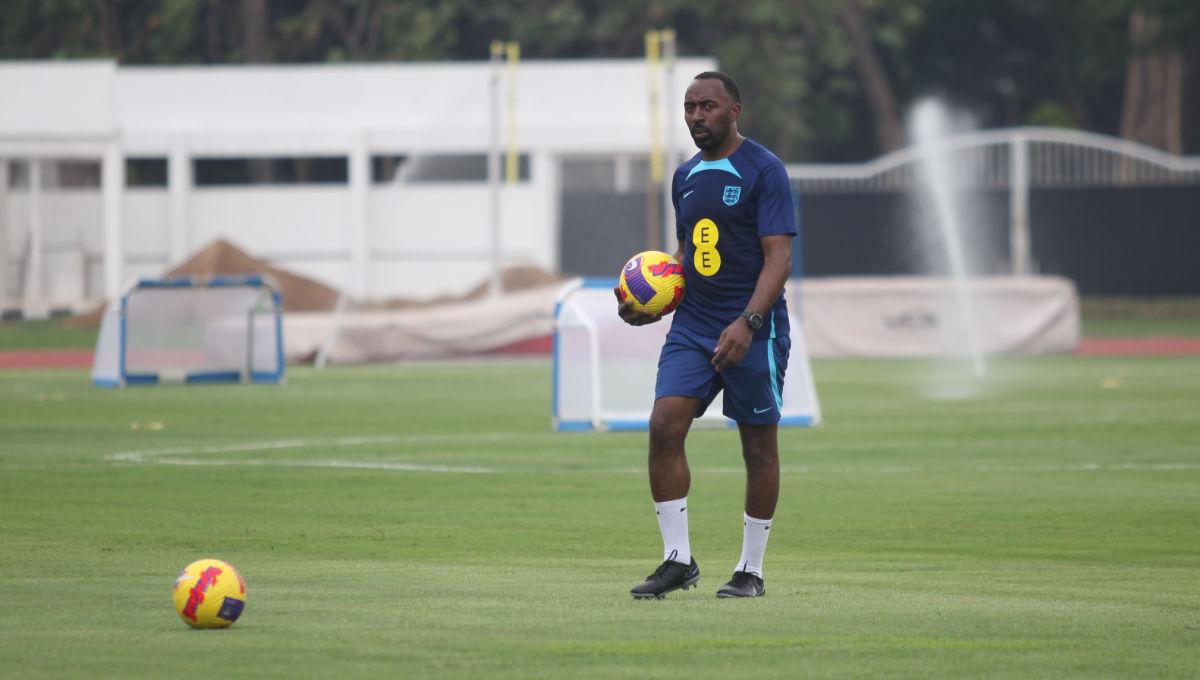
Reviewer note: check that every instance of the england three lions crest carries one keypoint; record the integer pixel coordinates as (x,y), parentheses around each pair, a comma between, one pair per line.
(732,195)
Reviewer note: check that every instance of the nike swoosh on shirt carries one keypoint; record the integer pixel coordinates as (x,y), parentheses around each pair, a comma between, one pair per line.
(687,194)
(762,410)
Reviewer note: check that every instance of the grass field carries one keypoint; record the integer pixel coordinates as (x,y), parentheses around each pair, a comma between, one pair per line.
(422,521)
(54,333)
(1110,317)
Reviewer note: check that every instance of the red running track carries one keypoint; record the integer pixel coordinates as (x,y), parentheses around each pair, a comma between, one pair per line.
(1138,346)
(46,358)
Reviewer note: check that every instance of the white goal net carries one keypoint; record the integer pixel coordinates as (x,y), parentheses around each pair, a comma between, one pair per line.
(604,369)
(225,329)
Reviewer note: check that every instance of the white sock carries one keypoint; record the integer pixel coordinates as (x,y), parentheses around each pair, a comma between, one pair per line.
(672,522)
(755,533)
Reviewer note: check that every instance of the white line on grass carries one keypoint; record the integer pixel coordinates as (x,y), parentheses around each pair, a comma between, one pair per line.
(311,442)
(172,456)
(321,463)
(139,456)
(166,456)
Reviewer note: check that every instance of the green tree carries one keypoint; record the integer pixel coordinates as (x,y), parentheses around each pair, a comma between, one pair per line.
(52,29)
(823,79)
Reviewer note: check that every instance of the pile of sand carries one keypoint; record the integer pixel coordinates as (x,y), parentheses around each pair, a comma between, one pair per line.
(222,258)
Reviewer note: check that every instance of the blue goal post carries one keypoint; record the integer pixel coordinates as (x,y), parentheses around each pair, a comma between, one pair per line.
(192,330)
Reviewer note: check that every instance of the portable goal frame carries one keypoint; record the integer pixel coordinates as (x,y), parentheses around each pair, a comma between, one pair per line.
(192,330)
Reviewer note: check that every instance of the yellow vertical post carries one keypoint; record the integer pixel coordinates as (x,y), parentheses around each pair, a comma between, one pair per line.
(654,177)
(513,57)
(654,90)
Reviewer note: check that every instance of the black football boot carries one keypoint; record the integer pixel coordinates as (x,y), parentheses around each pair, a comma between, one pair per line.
(669,576)
(743,584)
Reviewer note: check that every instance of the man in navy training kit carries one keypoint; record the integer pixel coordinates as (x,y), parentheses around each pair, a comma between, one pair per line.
(735,221)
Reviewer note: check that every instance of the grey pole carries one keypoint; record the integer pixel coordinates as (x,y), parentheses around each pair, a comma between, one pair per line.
(670,123)
(179,188)
(360,246)
(494,164)
(1018,191)
(113,187)
(34,305)
(4,263)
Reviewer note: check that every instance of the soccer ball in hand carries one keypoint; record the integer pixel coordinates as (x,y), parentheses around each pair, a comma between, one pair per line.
(652,282)
(209,594)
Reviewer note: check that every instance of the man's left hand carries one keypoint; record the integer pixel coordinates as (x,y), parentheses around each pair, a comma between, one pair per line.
(732,344)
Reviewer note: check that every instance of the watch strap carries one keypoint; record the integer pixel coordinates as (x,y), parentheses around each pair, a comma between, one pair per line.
(754,321)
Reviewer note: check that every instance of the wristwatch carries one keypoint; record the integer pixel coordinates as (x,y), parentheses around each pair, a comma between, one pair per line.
(753,320)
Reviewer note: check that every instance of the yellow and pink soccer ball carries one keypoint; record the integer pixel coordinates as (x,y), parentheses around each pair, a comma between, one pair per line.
(209,594)
(652,281)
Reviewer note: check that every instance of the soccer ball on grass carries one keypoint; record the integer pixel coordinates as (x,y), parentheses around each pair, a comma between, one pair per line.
(652,281)
(209,594)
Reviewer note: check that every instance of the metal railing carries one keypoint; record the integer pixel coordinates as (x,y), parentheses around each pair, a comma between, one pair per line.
(1014,160)
(985,160)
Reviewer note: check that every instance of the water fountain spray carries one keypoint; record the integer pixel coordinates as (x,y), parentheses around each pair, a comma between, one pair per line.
(929,125)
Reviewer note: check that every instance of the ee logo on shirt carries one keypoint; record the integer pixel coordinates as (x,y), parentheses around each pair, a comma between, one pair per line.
(706,258)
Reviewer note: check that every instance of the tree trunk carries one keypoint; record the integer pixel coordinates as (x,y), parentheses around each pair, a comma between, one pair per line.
(108,18)
(256,50)
(1152,111)
(256,47)
(888,130)
(212,32)
(356,30)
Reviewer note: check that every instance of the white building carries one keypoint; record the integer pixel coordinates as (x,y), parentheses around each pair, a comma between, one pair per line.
(140,166)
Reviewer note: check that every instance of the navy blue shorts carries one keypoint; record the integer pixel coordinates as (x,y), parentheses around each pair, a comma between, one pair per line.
(753,387)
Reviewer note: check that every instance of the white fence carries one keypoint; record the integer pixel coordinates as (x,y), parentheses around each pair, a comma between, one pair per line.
(1000,159)
(421,240)
(1015,160)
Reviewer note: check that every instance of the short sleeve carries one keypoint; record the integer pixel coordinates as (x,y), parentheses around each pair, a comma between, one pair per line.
(776,211)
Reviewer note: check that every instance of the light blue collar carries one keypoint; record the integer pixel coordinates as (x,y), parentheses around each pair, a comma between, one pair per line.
(722,164)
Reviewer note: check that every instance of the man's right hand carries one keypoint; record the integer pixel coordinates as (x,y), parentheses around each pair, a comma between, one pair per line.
(630,315)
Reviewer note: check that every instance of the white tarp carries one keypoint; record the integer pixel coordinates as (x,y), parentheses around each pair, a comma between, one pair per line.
(843,317)
(911,316)
(432,332)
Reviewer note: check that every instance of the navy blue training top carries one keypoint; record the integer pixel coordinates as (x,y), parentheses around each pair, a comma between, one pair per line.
(722,209)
